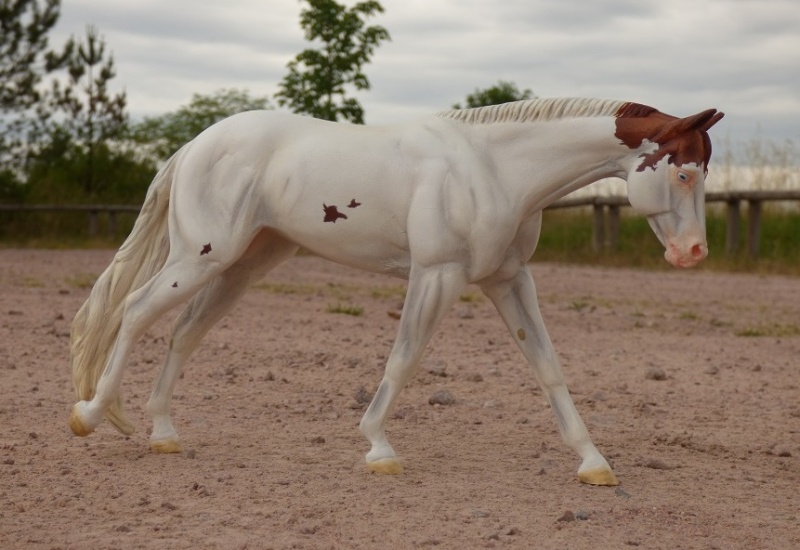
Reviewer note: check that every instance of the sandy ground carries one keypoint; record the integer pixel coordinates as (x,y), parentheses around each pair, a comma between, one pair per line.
(688,381)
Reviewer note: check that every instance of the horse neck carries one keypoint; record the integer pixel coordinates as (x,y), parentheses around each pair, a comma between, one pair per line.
(540,162)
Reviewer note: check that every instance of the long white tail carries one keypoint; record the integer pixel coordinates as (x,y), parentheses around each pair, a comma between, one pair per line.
(97,323)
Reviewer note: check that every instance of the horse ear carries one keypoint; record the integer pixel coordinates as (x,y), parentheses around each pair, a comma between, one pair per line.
(711,121)
(699,122)
(695,122)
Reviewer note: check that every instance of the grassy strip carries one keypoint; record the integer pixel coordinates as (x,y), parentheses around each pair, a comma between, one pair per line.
(566,237)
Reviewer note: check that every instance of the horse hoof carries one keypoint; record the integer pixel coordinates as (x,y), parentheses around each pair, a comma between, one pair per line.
(166,446)
(76,424)
(601,475)
(389,466)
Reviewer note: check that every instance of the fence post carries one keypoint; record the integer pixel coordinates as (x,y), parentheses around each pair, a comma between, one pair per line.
(732,226)
(92,224)
(112,223)
(598,228)
(753,227)
(613,226)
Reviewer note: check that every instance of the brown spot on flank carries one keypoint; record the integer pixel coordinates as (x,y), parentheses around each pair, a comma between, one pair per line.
(521,334)
(175,284)
(206,249)
(353,204)
(332,213)
(680,140)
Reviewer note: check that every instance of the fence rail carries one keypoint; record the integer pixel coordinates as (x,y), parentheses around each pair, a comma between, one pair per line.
(605,217)
(93,211)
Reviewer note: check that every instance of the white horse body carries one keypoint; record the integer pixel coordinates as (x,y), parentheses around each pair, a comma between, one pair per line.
(445,201)
(437,178)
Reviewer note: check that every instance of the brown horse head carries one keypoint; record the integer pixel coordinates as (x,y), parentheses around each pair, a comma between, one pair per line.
(666,175)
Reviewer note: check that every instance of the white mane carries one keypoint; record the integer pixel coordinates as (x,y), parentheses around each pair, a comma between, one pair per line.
(535,110)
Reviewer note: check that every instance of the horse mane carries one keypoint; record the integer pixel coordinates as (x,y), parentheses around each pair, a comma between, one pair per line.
(532,110)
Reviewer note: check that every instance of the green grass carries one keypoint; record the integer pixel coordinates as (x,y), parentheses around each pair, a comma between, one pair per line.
(81,280)
(343,309)
(775,330)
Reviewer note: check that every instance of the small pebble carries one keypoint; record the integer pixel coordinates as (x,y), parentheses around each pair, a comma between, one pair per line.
(622,493)
(656,464)
(567,516)
(655,373)
(466,313)
(438,370)
(442,397)
(363,396)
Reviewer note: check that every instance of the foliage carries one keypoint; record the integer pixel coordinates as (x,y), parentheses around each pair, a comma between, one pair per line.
(318,78)
(24,60)
(82,122)
(167,133)
(502,92)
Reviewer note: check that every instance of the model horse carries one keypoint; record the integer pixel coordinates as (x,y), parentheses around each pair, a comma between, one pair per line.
(444,201)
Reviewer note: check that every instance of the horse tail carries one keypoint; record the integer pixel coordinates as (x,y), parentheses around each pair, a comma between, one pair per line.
(97,323)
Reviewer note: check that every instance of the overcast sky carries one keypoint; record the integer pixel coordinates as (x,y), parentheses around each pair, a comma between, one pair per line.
(680,56)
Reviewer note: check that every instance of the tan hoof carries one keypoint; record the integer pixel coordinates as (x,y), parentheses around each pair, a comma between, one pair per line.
(77,425)
(389,466)
(166,446)
(598,476)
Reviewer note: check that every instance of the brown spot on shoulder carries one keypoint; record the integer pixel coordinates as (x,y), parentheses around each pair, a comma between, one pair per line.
(354,204)
(206,249)
(175,284)
(332,213)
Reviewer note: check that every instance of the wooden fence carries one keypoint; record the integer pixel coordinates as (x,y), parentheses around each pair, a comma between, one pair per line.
(92,210)
(605,218)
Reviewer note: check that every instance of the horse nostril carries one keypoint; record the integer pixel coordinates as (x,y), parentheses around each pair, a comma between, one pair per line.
(697,251)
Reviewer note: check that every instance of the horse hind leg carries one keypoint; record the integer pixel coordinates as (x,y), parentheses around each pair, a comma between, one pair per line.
(213,302)
(177,281)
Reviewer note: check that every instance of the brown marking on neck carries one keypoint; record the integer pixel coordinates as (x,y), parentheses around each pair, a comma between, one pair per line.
(636,123)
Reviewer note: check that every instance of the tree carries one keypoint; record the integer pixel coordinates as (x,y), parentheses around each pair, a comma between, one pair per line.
(24,59)
(502,92)
(167,133)
(83,118)
(318,78)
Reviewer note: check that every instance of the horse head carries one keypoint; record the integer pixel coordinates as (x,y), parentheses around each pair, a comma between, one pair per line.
(666,176)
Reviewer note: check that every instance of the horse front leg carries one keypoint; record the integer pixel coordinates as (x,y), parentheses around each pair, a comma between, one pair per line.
(516,300)
(431,292)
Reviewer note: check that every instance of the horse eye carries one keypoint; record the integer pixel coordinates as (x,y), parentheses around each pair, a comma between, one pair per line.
(683,176)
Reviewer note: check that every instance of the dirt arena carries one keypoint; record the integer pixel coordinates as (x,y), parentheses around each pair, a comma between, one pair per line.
(688,381)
